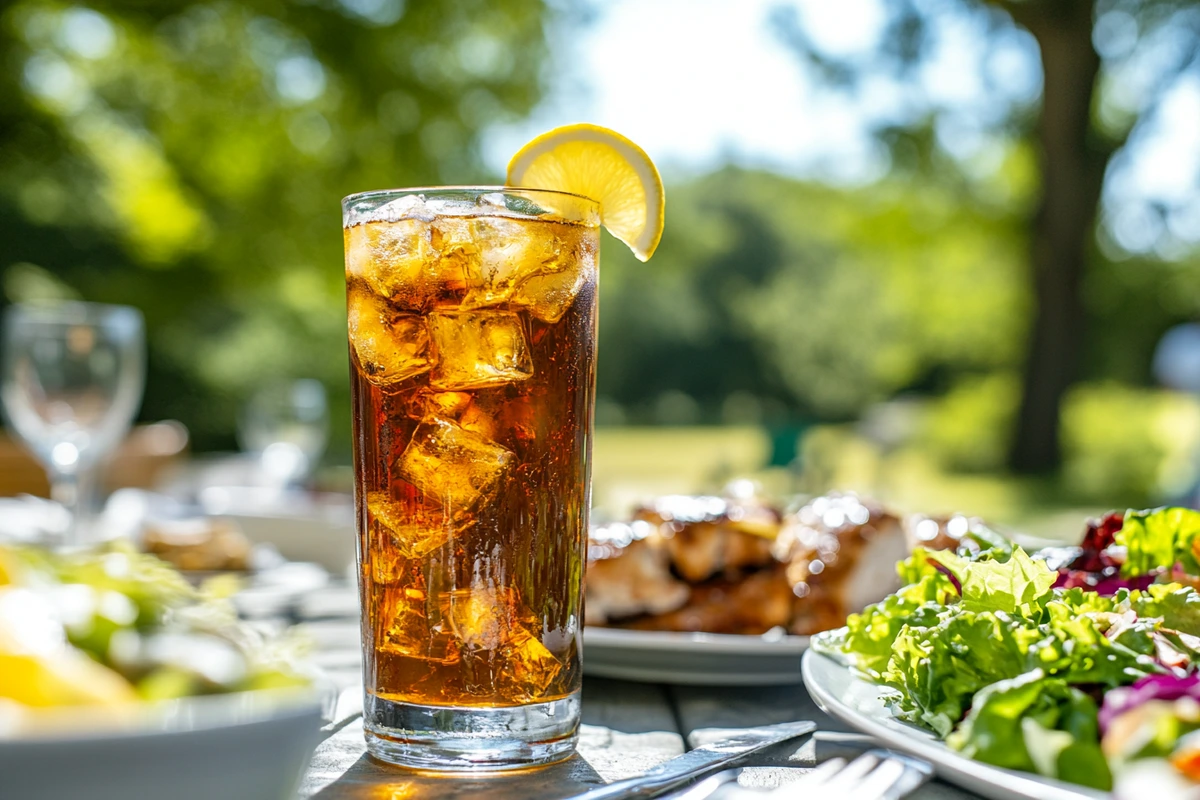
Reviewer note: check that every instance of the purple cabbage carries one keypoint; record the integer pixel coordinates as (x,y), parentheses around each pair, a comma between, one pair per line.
(1105,582)
(1153,687)
(1092,566)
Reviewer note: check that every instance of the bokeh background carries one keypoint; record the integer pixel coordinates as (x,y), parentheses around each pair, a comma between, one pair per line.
(925,249)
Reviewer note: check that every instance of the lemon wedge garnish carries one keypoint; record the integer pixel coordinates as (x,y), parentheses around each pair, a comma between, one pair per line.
(605,166)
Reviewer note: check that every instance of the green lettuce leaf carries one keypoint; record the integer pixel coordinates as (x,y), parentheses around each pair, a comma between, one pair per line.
(1037,724)
(869,635)
(1018,585)
(1159,538)
(1081,601)
(916,567)
(1178,606)
(1078,648)
(992,545)
(938,669)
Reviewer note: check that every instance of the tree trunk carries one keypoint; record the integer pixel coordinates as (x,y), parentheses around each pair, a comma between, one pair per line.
(1072,170)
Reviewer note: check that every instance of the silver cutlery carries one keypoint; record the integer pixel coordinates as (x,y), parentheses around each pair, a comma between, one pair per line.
(875,775)
(698,764)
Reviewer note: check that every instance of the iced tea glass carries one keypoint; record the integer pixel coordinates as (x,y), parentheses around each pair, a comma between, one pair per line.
(472,328)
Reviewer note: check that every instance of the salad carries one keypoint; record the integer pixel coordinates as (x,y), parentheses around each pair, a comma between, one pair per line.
(118,628)
(1075,663)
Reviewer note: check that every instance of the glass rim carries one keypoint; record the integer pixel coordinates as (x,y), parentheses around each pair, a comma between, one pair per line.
(70,312)
(481,188)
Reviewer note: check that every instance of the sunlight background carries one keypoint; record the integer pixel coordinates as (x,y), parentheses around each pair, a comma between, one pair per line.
(844,296)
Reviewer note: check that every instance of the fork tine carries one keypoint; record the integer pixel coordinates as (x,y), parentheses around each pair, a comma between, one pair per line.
(821,774)
(916,772)
(875,775)
(876,783)
(850,775)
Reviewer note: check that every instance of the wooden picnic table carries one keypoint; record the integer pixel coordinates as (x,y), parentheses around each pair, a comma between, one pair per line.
(627,728)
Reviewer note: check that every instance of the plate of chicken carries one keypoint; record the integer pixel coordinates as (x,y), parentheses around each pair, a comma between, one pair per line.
(726,590)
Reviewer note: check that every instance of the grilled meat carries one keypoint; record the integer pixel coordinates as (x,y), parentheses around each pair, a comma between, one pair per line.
(841,556)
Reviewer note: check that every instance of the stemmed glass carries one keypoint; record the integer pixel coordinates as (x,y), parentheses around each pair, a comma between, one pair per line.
(286,425)
(71,384)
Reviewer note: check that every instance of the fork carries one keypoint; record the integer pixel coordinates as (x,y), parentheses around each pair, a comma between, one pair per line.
(874,775)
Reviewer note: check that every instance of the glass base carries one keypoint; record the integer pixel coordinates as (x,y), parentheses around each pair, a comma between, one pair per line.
(463,739)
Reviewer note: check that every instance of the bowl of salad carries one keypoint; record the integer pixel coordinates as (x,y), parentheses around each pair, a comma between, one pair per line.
(1067,672)
(120,679)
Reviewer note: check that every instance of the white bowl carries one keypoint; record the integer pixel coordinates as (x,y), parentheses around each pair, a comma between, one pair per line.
(249,746)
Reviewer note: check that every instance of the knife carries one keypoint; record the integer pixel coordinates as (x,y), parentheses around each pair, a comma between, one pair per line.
(693,765)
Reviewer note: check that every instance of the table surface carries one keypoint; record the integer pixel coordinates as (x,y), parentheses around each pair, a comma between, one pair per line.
(627,728)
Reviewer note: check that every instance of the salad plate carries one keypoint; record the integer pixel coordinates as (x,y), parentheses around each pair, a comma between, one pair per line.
(696,659)
(839,692)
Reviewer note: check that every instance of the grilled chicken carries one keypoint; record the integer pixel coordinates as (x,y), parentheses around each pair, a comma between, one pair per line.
(628,574)
(724,565)
(841,556)
(709,536)
(750,604)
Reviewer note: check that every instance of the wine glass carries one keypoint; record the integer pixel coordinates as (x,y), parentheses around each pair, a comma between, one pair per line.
(71,384)
(286,425)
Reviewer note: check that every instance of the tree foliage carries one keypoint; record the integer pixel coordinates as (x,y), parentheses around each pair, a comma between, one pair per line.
(1090,53)
(187,158)
(815,299)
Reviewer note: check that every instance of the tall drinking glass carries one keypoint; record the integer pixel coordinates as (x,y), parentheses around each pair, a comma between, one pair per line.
(472,326)
(73,375)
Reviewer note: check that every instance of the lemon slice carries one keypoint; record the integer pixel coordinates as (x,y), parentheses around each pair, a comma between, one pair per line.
(605,166)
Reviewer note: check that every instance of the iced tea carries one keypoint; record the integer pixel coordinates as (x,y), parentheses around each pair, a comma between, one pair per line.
(472,319)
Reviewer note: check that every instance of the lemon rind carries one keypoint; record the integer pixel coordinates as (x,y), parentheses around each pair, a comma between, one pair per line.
(650,235)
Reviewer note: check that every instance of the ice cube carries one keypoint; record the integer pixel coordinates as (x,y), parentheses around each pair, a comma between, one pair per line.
(549,293)
(509,251)
(390,257)
(427,402)
(531,666)
(391,347)
(539,266)
(412,206)
(404,627)
(514,418)
(549,296)
(476,419)
(451,466)
(398,260)
(413,530)
(484,617)
(476,349)
(454,240)
(494,200)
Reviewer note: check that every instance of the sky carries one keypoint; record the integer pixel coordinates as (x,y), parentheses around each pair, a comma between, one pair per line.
(701,83)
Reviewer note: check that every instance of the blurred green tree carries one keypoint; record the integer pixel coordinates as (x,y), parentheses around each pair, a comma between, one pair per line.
(812,302)
(186,157)
(1077,124)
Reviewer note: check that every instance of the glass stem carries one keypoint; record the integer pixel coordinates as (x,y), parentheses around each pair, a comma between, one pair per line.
(73,490)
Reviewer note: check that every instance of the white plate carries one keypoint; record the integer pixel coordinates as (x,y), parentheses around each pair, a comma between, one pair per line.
(706,659)
(250,746)
(839,692)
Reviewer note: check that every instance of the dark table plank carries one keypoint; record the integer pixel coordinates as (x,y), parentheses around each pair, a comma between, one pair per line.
(701,707)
